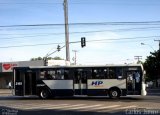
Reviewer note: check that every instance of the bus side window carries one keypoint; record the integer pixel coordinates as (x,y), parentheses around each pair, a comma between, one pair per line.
(53,74)
(76,76)
(102,73)
(84,76)
(112,73)
(89,73)
(106,72)
(98,73)
(42,73)
(58,75)
(48,76)
(66,74)
(94,75)
(119,73)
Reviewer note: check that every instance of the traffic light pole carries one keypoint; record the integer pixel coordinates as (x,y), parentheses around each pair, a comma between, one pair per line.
(83,42)
(66,30)
(47,55)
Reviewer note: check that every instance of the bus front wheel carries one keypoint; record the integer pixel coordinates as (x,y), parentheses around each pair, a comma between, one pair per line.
(114,93)
(44,94)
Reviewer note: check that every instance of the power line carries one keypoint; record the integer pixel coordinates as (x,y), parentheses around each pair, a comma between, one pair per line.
(26,3)
(123,38)
(107,2)
(30,28)
(94,23)
(120,29)
(98,40)
(51,34)
(29,45)
(29,36)
(79,3)
(122,41)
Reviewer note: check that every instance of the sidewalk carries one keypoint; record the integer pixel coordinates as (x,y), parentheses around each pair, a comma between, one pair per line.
(5,92)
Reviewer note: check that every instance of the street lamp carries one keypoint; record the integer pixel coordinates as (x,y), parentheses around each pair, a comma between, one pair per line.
(148,45)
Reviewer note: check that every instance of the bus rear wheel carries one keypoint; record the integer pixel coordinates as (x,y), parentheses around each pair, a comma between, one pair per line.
(44,94)
(114,93)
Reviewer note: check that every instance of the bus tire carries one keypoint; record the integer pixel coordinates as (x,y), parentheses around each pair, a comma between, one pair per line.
(44,94)
(114,93)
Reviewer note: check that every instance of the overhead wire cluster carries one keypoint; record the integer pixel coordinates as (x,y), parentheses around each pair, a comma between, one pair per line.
(94,23)
(36,35)
(140,26)
(73,42)
(90,2)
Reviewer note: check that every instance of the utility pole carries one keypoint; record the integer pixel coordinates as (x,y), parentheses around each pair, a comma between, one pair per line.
(159,43)
(75,56)
(138,58)
(66,30)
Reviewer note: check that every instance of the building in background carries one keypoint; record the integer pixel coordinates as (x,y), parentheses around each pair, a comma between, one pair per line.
(6,69)
(57,62)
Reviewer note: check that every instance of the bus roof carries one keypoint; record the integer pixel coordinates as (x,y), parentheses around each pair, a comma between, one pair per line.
(79,66)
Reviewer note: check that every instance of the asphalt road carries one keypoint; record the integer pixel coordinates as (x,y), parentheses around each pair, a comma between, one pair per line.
(131,105)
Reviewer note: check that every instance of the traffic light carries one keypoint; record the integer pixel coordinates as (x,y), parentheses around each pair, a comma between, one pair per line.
(83,42)
(58,48)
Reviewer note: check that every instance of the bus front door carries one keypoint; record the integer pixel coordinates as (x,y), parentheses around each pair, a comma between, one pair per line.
(19,82)
(30,83)
(25,83)
(80,82)
(133,83)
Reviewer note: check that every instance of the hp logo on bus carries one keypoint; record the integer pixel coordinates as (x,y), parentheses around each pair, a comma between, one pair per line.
(97,83)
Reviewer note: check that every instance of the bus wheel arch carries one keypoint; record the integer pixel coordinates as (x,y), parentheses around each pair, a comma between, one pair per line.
(114,92)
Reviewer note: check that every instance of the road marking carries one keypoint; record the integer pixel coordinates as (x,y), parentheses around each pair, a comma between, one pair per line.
(77,107)
(29,105)
(133,106)
(20,105)
(119,108)
(44,106)
(101,108)
(89,106)
(65,107)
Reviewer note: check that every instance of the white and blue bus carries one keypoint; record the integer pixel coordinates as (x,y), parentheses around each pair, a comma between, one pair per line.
(108,80)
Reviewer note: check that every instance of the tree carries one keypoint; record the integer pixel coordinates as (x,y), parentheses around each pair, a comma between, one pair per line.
(48,58)
(38,58)
(57,58)
(152,66)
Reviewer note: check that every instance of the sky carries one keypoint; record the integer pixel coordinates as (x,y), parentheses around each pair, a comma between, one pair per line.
(93,19)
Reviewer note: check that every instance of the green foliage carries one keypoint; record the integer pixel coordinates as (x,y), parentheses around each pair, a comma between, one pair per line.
(38,58)
(152,66)
(57,58)
(48,58)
